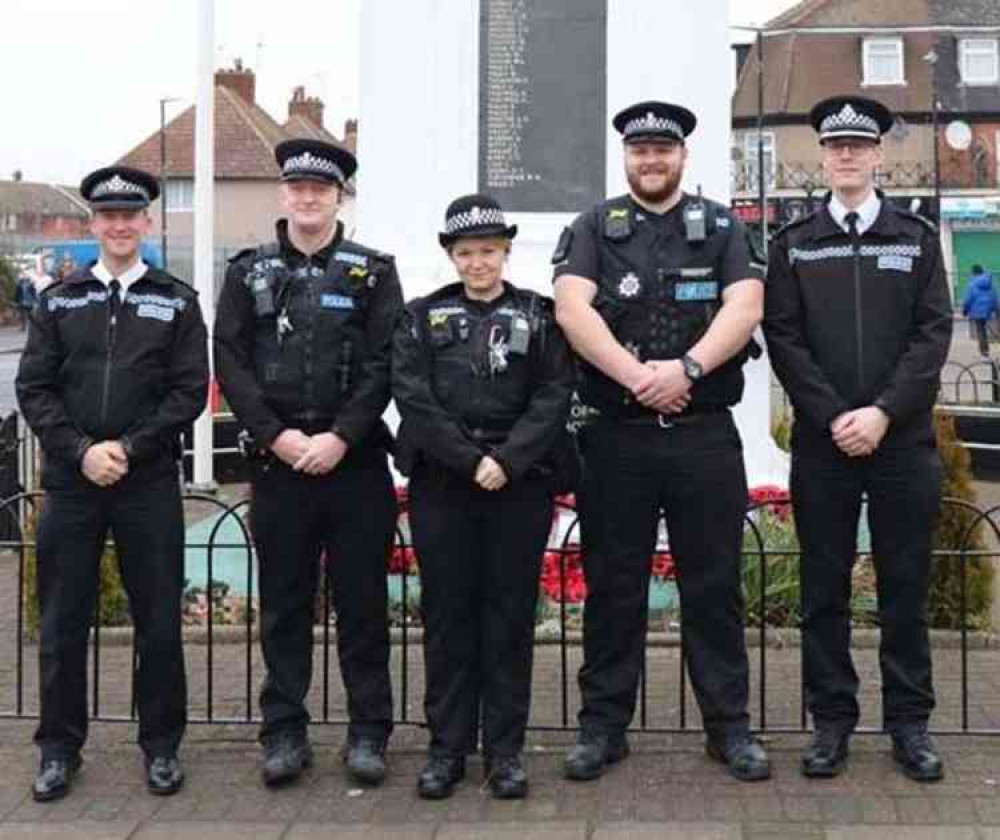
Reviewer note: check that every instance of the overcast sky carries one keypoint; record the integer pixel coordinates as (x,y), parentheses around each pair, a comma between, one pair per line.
(82,79)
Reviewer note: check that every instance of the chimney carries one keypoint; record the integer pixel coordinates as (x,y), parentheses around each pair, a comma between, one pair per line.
(351,135)
(310,107)
(239,80)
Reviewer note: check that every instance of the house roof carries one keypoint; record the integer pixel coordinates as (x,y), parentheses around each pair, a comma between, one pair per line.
(245,137)
(801,68)
(32,198)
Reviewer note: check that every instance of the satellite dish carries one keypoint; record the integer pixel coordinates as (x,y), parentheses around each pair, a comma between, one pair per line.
(959,135)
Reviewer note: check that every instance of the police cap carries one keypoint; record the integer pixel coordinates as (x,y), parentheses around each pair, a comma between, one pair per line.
(850,116)
(474,215)
(314,160)
(119,188)
(646,121)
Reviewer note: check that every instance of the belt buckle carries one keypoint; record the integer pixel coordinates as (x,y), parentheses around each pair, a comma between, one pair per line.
(663,422)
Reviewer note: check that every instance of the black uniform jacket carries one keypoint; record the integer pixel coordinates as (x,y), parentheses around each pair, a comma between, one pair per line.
(850,325)
(330,368)
(454,409)
(139,378)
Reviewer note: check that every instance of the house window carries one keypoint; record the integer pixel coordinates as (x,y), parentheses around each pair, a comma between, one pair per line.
(978,61)
(751,145)
(180,195)
(883,61)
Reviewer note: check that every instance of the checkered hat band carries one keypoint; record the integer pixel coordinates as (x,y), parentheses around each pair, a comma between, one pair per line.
(651,124)
(477,217)
(847,122)
(309,164)
(118,186)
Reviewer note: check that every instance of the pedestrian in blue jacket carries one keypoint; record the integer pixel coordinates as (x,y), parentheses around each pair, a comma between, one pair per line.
(980,304)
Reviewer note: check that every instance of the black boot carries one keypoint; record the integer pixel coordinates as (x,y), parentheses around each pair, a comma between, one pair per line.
(916,754)
(440,775)
(826,755)
(285,757)
(365,761)
(55,777)
(506,777)
(745,757)
(592,753)
(164,775)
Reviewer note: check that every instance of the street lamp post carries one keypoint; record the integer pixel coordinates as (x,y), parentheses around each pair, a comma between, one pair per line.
(932,59)
(163,178)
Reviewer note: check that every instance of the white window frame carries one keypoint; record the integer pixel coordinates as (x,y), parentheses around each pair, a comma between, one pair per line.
(186,202)
(979,48)
(750,158)
(869,46)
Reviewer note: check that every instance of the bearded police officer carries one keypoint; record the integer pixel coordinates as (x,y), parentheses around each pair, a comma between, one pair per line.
(658,295)
(858,326)
(302,343)
(115,366)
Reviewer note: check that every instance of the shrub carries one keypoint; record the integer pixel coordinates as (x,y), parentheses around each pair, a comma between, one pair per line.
(951,533)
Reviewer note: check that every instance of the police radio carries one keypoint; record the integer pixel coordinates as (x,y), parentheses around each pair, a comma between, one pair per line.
(263,295)
(695,221)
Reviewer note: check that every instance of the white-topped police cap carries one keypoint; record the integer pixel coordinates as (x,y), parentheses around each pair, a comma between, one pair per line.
(119,188)
(314,160)
(850,116)
(474,215)
(652,120)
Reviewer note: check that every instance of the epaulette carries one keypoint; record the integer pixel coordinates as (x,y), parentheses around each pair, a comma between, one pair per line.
(794,223)
(246,252)
(927,223)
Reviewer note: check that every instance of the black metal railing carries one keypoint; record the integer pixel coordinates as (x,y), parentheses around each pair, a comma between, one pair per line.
(230,652)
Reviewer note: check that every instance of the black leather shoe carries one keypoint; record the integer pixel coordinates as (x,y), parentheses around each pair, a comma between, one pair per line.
(55,777)
(826,755)
(745,757)
(440,775)
(915,753)
(164,775)
(285,758)
(506,778)
(365,761)
(592,753)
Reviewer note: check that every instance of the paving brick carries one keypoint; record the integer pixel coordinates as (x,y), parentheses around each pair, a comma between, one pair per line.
(927,832)
(519,831)
(668,831)
(207,831)
(82,830)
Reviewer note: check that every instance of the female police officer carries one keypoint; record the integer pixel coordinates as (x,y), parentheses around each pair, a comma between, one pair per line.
(482,378)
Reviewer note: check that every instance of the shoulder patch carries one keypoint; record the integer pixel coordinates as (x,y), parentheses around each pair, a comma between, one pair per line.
(562,246)
(351,258)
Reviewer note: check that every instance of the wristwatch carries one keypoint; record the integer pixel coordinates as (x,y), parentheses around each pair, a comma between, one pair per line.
(692,368)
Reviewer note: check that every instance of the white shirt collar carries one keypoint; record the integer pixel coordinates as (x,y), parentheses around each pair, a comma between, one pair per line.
(867,211)
(100,271)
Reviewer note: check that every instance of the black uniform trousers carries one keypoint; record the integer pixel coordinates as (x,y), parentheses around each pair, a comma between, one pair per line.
(480,555)
(146,519)
(693,472)
(903,489)
(350,514)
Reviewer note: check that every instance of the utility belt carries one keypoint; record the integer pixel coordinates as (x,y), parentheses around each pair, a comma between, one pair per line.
(669,421)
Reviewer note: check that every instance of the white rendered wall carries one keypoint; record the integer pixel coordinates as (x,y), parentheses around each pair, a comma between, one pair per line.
(419,129)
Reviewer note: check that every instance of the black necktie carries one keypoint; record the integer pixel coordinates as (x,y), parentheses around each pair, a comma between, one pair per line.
(852,224)
(114,288)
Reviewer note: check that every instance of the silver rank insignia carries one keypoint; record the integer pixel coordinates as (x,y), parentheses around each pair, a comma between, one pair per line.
(629,286)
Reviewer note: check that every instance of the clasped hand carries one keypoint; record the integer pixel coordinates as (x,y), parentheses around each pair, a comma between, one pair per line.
(663,386)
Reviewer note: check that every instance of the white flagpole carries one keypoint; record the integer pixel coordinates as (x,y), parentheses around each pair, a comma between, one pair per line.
(204,189)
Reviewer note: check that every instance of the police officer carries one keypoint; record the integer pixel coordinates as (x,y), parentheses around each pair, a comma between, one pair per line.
(858,325)
(482,378)
(658,295)
(115,366)
(302,345)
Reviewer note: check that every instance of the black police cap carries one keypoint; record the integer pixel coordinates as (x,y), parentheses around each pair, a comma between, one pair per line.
(652,120)
(119,188)
(850,116)
(474,215)
(314,160)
